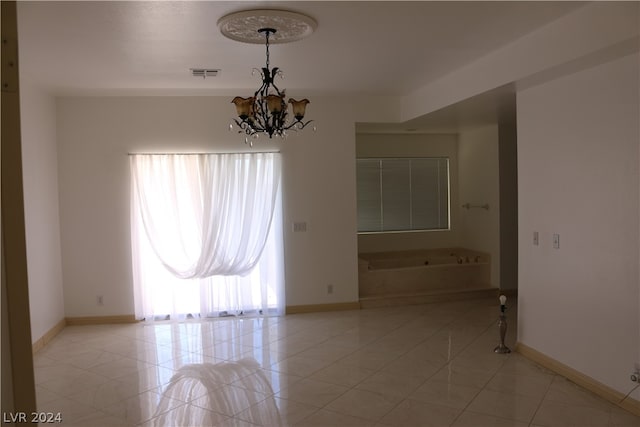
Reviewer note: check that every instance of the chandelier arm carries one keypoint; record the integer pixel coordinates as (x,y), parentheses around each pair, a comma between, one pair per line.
(262,91)
(297,125)
(266,76)
(261,112)
(276,123)
(244,127)
(277,90)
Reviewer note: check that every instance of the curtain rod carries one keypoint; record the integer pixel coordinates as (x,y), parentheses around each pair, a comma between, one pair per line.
(171,154)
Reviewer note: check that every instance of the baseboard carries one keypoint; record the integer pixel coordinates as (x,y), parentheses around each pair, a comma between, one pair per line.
(48,336)
(101,320)
(314,308)
(631,405)
(579,378)
(426,298)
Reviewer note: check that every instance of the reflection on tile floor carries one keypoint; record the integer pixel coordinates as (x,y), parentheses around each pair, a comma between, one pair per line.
(425,365)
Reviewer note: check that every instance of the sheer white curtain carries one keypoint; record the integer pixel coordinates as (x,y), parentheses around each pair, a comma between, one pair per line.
(206,234)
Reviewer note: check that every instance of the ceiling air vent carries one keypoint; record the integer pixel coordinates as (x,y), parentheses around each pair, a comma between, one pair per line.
(204,72)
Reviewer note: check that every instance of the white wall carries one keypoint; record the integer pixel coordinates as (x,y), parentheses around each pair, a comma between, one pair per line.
(478,181)
(94,137)
(578,139)
(420,145)
(42,223)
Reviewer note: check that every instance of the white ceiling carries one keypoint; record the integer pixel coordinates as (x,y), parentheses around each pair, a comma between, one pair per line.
(377,48)
(497,105)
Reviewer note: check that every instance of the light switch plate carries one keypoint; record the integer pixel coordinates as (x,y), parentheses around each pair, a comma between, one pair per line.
(299,227)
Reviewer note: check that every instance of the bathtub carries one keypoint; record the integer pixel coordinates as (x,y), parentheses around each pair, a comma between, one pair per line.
(429,271)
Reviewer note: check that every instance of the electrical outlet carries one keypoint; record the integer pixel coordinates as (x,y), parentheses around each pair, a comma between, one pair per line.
(100,300)
(635,375)
(329,289)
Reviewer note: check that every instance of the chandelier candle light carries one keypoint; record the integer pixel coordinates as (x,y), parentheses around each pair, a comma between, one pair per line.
(267,111)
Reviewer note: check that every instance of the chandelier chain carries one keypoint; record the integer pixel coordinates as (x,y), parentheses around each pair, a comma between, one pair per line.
(267,44)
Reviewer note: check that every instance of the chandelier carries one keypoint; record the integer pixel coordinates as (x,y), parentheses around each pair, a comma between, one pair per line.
(268,111)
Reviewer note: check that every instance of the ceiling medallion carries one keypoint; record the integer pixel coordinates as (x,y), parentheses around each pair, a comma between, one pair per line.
(266,111)
(244,26)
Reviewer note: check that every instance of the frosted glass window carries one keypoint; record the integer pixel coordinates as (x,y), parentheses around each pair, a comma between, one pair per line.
(402,194)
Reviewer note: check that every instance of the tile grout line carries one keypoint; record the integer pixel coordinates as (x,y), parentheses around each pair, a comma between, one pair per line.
(375,371)
(488,381)
(533,417)
(426,379)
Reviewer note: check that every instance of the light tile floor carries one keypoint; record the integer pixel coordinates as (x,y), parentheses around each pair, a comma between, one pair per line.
(424,365)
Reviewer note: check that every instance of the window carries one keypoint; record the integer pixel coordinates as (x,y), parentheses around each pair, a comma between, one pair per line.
(402,194)
(206,234)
